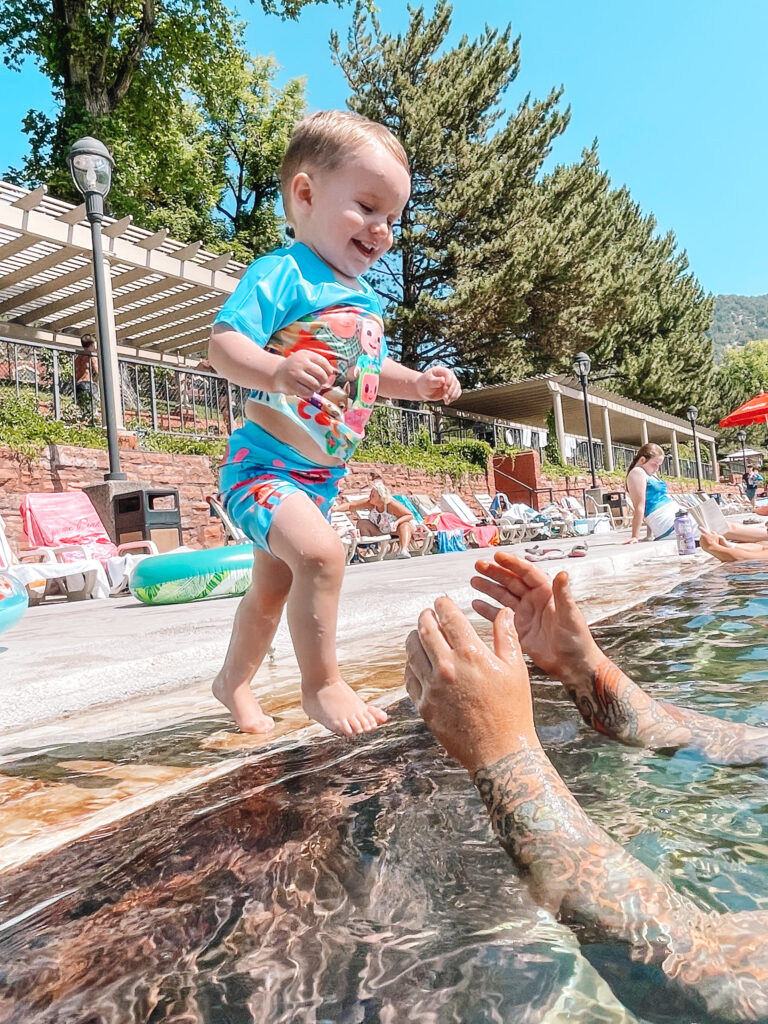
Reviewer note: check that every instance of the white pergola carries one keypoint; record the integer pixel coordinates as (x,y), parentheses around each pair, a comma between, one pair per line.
(162,295)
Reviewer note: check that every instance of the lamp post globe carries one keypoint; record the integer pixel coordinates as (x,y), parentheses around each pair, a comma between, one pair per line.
(91,165)
(582,364)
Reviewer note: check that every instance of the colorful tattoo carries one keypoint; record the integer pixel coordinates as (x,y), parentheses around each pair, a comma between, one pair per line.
(615,706)
(719,960)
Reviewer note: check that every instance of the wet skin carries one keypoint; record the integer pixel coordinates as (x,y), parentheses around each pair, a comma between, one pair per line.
(478,704)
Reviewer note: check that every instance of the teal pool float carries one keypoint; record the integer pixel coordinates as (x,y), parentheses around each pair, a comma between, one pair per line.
(193,575)
(13,601)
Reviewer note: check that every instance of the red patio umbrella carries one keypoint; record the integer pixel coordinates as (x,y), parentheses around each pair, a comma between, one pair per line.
(753,411)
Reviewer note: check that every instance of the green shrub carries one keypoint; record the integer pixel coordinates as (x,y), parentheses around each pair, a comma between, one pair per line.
(453,458)
(183,444)
(27,431)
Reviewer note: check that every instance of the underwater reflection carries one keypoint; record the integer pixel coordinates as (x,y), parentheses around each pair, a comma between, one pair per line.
(356,881)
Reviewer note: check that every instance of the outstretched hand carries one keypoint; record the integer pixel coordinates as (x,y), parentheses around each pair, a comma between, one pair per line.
(551,629)
(477,703)
(438,384)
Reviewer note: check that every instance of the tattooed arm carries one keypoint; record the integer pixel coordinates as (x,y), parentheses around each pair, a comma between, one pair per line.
(576,870)
(479,706)
(554,633)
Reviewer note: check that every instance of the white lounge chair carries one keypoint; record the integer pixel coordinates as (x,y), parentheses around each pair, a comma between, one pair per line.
(44,575)
(368,549)
(426,505)
(511,529)
(581,515)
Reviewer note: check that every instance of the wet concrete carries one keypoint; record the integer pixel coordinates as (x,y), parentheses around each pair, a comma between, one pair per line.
(107,706)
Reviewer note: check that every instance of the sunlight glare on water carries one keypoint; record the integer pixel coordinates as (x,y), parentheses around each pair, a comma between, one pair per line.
(358,881)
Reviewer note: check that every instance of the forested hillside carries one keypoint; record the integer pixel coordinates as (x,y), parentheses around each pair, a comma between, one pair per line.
(738,319)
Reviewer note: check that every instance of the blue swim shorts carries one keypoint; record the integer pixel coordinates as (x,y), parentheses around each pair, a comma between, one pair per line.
(259,472)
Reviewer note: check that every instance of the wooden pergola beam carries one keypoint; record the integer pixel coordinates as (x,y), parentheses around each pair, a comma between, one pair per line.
(165,338)
(186,301)
(73,277)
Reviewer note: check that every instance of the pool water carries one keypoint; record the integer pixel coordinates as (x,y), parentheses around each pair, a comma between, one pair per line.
(357,881)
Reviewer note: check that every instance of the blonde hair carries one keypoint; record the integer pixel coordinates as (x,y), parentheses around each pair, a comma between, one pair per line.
(646,451)
(380,488)
(324,140)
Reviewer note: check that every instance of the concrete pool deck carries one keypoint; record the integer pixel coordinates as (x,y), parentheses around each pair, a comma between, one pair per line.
(106,705)
(65,658)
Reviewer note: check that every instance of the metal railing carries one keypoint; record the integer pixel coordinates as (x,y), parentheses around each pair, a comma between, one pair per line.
(181,400)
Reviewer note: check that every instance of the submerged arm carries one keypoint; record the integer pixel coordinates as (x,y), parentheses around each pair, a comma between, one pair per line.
(577,870)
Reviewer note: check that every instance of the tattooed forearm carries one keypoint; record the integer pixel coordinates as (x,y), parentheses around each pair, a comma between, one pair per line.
(720,961)
(574,866)
(612,704)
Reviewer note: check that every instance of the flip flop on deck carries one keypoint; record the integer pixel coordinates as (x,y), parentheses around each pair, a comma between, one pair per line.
(537,554)
(578,551)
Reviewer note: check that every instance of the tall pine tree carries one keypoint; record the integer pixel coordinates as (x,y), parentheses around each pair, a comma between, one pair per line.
(502,268)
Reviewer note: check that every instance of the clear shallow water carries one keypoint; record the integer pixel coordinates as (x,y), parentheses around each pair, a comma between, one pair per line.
(357,882)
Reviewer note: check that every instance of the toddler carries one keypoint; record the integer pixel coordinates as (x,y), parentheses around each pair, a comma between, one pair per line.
(304,332)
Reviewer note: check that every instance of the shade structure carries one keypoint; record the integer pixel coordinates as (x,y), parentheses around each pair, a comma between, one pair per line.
(753,411)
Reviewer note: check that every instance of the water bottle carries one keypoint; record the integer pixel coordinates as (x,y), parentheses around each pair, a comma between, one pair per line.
(684,534)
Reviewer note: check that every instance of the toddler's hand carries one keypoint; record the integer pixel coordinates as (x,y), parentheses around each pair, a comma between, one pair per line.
(303,373)
(439,384)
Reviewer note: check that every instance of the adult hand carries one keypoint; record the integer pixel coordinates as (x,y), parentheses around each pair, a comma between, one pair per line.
(478,704)
(438,384)
(551,629)
(303,373)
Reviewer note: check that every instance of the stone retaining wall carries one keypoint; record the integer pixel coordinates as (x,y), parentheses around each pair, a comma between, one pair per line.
(66,468)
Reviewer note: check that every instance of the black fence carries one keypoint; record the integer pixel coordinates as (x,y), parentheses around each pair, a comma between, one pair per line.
(185,400)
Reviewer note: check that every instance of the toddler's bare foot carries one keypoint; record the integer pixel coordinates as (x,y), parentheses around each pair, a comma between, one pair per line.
(243,707)
(338,708)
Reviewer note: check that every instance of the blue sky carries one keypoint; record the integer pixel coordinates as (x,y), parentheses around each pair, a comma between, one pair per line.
(675,91)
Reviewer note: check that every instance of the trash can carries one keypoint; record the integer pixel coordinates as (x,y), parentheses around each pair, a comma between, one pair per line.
(152,513)
(617,503)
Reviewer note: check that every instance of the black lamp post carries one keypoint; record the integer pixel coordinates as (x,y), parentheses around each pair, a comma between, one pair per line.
(693,414)
(91,167)
(742,436)
(582,364)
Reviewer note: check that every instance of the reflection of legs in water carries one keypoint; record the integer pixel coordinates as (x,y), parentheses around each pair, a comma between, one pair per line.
(479,706)
(555,635)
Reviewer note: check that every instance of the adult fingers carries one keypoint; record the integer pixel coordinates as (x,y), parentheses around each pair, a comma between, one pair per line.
(505,641)
(488,611)
(413,685)
(529,573)
(435,646)
(508,595)
(502,579)
(564,599)
(455,626)
(418,660)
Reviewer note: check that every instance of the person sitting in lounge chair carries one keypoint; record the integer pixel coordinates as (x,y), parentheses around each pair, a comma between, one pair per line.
(386,515)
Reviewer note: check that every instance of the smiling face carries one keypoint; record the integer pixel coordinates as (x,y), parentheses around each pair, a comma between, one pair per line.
(346,215)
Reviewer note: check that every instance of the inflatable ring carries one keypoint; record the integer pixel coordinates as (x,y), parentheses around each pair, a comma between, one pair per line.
(13,601)
(193,575)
